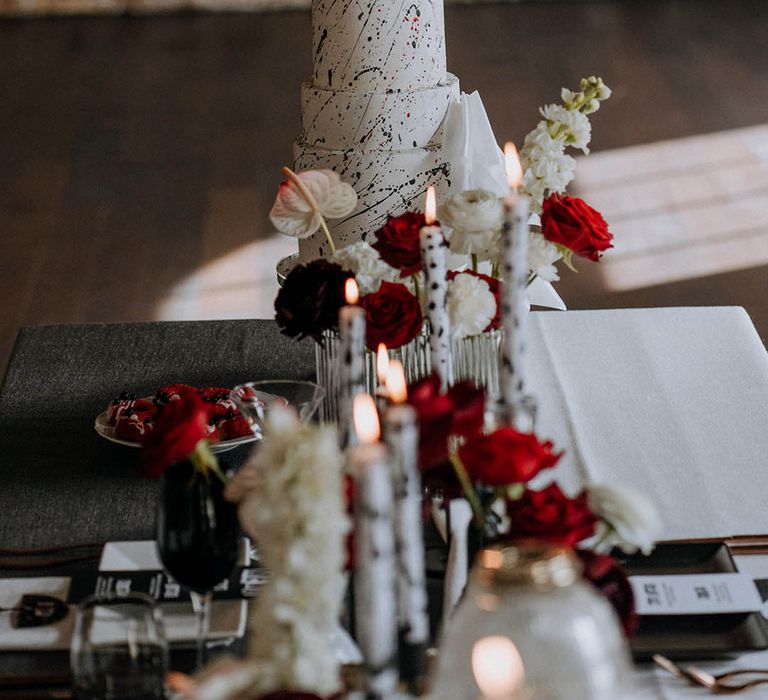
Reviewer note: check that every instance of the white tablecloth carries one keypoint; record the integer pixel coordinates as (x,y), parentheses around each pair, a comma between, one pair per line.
(673,401)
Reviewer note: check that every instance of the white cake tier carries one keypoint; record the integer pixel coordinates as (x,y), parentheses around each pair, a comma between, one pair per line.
(378,45)
(386,182)
(375,120)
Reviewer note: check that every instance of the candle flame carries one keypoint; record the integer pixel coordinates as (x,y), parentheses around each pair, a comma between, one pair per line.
(351,291)
(382,363)
(395,382)
(366,419)
(430,208)
(497,667)
(513,167)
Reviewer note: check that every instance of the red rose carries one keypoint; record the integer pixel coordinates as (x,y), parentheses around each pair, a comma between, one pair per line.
(571,222)
(179,426)
(609,578)
(551,516)
(459,411)
(506,456)
(398,242)
(495,286)
(393,316)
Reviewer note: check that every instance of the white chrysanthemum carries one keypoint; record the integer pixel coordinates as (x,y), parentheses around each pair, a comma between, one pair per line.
(475,218)
(631,521)
(370,270)
(542,256)
(292,214)
(471,305)
(291,503)
(578,130)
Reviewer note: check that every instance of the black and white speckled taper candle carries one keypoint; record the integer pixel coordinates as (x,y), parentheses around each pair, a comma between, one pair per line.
(433,254)
(402,436)
(375,567)
(351,367)
(514,302)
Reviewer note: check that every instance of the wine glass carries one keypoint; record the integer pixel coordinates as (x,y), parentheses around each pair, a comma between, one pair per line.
(255,399)
(198,537)
(118,649)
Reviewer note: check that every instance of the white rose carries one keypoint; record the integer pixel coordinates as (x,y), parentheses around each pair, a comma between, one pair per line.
(471,305)
(370,270)
(542,256)
(293,215)
(632,520)
(475,218)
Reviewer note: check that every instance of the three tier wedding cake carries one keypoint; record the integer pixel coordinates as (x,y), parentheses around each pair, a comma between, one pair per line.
(374,110)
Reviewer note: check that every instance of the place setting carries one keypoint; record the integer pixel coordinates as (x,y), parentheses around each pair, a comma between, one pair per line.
(424,477)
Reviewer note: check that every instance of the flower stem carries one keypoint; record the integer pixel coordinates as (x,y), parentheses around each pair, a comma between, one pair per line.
(468,489)
(296,180)
(416,288)
(474,262)
(204,460)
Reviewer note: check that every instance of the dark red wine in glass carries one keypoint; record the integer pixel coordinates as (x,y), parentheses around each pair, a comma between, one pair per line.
(198,536)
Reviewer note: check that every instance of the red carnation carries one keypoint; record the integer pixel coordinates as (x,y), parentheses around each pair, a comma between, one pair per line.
(506,456)
(459,411)
(179,426)
(551,516)
(572,223)
(393,316)
(398,242)
(495,286)
(609,578)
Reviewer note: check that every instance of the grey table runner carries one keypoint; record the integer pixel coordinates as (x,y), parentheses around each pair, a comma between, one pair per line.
(60,482)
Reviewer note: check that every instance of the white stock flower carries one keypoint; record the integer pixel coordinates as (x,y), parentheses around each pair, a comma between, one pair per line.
(293,215)
(633,523)
(578,130)
(370,270)
(471,305)
(291,502)
(542,256)
(475,218)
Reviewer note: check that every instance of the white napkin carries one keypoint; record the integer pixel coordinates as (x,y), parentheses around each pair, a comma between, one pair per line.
(673,402)
(470,146)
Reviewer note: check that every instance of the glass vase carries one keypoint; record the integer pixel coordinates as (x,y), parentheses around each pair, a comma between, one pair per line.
(475,359)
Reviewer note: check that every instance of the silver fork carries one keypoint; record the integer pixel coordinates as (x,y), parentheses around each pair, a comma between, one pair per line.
(715,683)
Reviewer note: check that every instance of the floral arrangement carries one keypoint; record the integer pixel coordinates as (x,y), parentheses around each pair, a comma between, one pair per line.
(291,501)
(388,269)
(494,469)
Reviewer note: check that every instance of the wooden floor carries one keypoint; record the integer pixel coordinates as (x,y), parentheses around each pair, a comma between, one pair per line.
(135,152)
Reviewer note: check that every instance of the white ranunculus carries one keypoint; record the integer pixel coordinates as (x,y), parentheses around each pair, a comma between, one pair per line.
(578,130)
(542,256)
(471,305)
(292,214)
(632,521)
(475,218)
(370,270)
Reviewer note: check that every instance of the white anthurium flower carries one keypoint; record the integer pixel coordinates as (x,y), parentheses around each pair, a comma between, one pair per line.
(631,520)
(471,305)
(292,213)
(370,270)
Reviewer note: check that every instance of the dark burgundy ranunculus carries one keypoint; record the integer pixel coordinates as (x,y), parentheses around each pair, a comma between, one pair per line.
(459,411)
(505,456)
(551,516)
(609,578)
(393,316)
(495,286)
(398,242)
(571,222)
(309,301)
(179,426)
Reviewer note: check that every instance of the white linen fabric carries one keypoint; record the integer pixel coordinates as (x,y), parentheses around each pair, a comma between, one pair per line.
(672,401)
